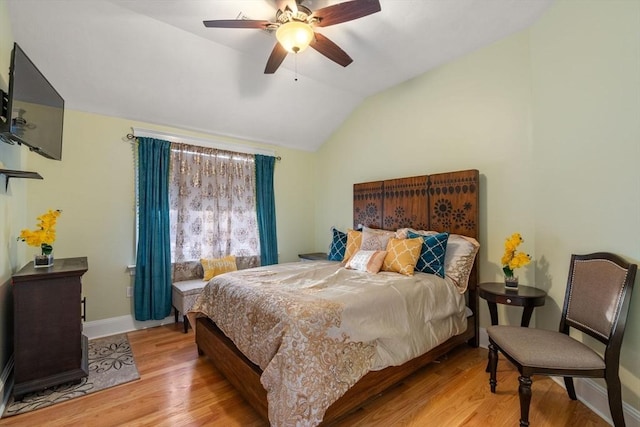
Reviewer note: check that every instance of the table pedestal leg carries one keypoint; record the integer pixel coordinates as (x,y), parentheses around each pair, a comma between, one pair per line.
(493,311)
(526,317)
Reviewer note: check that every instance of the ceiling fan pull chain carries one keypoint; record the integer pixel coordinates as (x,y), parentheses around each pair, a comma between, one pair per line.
(295,62)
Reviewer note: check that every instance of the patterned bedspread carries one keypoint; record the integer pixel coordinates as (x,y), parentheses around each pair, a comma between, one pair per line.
(315,328)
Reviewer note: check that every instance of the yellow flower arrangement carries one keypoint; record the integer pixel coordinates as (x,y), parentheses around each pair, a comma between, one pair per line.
(511,258)
(43,236)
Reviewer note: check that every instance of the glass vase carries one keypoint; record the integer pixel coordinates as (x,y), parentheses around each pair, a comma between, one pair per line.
(511,281)
(42,261)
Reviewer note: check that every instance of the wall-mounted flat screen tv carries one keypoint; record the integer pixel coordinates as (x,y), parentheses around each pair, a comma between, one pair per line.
(35,110)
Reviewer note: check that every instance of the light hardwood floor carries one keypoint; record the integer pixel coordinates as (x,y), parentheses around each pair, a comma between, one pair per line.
(178,388)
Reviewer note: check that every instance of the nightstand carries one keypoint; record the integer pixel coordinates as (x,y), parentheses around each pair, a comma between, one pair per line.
(315,256)
(522,296)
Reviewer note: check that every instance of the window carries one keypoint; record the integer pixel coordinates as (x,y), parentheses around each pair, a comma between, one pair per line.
(212,204)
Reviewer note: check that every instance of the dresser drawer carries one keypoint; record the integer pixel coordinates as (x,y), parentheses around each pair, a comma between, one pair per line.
(505,299)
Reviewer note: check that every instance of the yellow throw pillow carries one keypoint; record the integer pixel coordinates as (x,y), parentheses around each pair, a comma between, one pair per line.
(402,255)
(215,266)
(354,240)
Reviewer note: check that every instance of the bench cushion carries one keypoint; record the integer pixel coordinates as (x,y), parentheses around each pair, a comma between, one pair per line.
(189,287)
(185,293)
(188,281)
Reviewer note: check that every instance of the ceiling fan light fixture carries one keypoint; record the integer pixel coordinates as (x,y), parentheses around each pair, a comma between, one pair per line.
(294,36)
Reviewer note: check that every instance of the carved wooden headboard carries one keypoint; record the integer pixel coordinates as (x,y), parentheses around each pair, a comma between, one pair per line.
(440,202)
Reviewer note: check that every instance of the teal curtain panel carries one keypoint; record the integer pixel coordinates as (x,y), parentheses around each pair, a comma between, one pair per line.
(152,288)
(266,209)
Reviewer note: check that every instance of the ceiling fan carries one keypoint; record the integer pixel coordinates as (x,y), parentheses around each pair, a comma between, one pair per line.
(294,28)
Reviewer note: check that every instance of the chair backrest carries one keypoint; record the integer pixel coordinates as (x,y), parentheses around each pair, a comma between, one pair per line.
(598,296)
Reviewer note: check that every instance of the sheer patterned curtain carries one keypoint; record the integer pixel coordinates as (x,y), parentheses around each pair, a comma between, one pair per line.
(212,204)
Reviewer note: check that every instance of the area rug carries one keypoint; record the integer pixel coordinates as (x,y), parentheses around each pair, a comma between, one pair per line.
(110,363)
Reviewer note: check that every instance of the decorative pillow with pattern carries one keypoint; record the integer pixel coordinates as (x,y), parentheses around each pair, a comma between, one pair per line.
(402,255)
(354,239)
(458,261)
(215,266)
(433,251)
(375,240)
(369,261)
(338,245)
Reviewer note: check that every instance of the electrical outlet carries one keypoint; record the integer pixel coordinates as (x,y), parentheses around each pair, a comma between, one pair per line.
(129,291)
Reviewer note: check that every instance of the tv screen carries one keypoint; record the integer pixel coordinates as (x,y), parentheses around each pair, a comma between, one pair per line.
(35,110)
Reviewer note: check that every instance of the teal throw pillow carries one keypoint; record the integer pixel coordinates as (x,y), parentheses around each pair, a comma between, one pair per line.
(432,254)
(338,246)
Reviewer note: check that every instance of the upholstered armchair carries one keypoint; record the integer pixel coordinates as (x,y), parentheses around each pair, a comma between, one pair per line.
(596,303)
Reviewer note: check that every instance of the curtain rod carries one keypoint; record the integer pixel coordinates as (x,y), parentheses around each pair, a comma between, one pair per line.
(139,132)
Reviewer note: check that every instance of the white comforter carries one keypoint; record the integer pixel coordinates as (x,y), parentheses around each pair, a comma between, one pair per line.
(315,328)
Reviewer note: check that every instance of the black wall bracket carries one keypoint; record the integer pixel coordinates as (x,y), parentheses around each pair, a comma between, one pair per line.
(4,106)
(8,173)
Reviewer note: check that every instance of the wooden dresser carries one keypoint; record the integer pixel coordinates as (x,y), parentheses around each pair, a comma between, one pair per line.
(49,347)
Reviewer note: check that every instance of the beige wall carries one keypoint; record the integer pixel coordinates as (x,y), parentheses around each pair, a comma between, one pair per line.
(12,203)
(550,118)
(94,187)
(586,108)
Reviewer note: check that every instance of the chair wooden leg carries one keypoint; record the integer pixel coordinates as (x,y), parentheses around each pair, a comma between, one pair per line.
(175,314)
(524,391)
(185,322)
(571,390)
(614,393)
(492,366)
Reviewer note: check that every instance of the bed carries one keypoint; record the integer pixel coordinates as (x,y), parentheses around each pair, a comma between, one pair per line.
(360,363)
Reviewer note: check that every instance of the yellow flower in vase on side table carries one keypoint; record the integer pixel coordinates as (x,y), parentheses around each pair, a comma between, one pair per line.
(513,259)
(42,237)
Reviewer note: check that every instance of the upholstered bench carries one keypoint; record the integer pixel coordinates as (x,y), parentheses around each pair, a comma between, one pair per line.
(183,295)
(188,283)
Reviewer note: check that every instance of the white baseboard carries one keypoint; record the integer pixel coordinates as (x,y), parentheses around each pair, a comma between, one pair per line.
(594,396)
(120,325)
(6,384)
(589,392)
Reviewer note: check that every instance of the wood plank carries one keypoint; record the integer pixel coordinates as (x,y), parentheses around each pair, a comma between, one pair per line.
(367,204)
(405,203)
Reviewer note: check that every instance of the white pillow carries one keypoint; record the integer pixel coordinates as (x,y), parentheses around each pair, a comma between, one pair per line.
(369,261)
(401,233)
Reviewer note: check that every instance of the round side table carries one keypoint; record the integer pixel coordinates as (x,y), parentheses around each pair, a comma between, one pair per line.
(522,296)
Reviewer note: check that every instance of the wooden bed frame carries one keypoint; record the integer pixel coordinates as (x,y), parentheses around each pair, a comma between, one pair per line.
(441,202)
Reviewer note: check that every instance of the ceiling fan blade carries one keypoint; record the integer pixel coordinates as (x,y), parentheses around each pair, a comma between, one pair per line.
(275,59)
(330,50)
(236,23)
(347,11)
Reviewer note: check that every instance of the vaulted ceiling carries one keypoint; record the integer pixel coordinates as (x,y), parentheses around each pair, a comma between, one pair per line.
(154,60)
